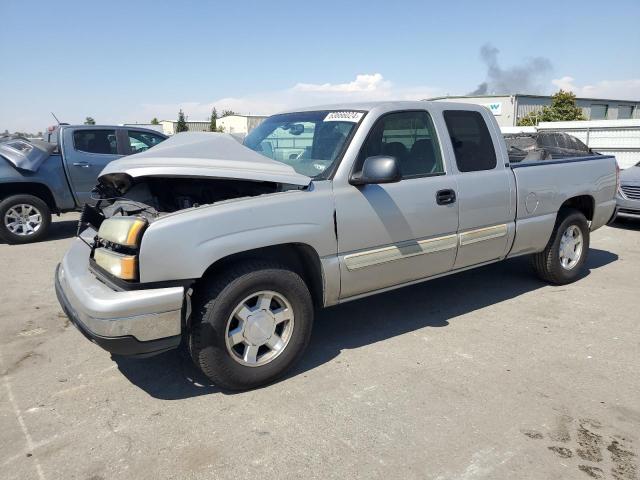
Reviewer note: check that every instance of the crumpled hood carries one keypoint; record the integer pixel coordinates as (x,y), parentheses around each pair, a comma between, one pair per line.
(25,154)
(213,155)
(630,175)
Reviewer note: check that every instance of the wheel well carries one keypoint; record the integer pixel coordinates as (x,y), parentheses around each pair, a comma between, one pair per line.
(299,257)
(582,203)
(29,188)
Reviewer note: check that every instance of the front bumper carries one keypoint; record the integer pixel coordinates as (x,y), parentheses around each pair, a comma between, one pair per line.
(133,322)
(627,207)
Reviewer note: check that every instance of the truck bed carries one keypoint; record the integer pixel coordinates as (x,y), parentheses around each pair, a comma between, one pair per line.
(543,186)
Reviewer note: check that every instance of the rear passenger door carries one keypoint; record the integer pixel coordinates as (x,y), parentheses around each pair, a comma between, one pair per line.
(486,190)
(86,152)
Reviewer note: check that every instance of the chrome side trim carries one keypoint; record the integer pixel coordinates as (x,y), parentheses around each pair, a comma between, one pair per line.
(415,282)
(482,234)
(400,251)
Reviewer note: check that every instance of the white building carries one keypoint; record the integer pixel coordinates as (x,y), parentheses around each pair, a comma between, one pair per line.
(232,124)
(508,109)
(169,126)
(240,123)
(150,126)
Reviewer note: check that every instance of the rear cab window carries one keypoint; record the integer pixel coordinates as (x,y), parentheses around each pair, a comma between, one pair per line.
(472,143)
(102,141)
(140,141)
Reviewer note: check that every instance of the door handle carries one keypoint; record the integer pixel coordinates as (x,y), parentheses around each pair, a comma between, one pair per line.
(81,164)
(445,197)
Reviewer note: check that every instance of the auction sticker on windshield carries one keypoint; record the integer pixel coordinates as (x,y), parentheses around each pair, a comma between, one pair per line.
(344,117)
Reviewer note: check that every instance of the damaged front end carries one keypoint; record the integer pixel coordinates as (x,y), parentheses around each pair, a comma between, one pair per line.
(187,171)
(142,201)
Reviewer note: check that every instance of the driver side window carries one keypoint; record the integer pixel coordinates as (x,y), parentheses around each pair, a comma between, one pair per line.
(409,137)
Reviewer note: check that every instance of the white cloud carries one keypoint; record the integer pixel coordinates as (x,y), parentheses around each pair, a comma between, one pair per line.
(365,87)
(362,83)
(614,89)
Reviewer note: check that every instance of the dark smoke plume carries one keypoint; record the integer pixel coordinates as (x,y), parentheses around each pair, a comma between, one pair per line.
(519,79)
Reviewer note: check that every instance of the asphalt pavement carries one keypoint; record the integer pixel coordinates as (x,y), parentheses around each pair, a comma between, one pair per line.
(487,374)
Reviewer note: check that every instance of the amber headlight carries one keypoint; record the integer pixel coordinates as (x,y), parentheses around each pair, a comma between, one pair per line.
(117,264)
(125,231)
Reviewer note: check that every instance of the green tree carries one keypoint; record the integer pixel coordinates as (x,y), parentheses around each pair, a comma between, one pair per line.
(227,113)
(213,127)
(154,121)
(181,126)
(89,121)
(563,107)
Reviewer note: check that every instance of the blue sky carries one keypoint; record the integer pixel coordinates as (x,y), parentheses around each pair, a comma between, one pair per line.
(126,61)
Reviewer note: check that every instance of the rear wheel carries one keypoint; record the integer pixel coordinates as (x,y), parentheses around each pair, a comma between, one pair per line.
(250,325)
(24,219)
(563,258)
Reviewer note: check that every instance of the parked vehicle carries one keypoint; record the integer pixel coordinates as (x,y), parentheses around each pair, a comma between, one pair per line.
(544,146)
(38,178)
(628,199)
(214,242)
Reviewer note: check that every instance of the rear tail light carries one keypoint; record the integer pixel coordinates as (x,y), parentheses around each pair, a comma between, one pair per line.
(617,177)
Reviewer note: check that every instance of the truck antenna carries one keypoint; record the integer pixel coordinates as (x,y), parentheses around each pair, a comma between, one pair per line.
(54,116)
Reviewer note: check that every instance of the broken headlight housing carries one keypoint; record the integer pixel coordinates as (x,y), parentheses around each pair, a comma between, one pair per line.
(125,231)
(117,246)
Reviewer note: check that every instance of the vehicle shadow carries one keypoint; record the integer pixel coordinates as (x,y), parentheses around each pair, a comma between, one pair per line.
(626,224)
(432,304)
(59,230)
(169,376)
(62,229)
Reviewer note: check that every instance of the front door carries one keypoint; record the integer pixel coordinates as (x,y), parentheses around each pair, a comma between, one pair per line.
(395,233)
(86,153)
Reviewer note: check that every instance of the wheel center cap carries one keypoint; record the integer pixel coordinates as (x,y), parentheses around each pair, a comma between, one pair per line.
(259,328)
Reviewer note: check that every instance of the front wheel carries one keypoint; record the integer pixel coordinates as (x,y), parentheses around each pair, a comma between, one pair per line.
(250,324)
(24,219)
(563,258)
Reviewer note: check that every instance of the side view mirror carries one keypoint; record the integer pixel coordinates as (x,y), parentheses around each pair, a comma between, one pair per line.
(378,169)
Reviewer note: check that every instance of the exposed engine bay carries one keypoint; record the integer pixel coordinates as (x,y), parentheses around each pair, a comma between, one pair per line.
(152,197)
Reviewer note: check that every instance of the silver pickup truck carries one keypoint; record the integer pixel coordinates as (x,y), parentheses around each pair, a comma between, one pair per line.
(231,247)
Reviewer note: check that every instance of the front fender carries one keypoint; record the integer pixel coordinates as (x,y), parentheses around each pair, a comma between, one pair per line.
(182,246)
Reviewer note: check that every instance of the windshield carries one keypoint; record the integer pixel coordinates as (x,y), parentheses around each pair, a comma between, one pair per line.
(310,142)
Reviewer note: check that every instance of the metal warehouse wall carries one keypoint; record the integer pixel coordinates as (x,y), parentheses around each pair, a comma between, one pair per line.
(526,105)
(509,108)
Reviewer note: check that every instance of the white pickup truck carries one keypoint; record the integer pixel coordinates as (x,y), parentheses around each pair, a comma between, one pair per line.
(230,247)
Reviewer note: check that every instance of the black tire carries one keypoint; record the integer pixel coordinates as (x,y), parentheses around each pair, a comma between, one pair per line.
(213,304)
(13,238)
(547,263)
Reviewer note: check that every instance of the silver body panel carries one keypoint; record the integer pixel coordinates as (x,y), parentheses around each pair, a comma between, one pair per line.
(628,198)
(144,314)
(542,189)
(376,237)
(198,154)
